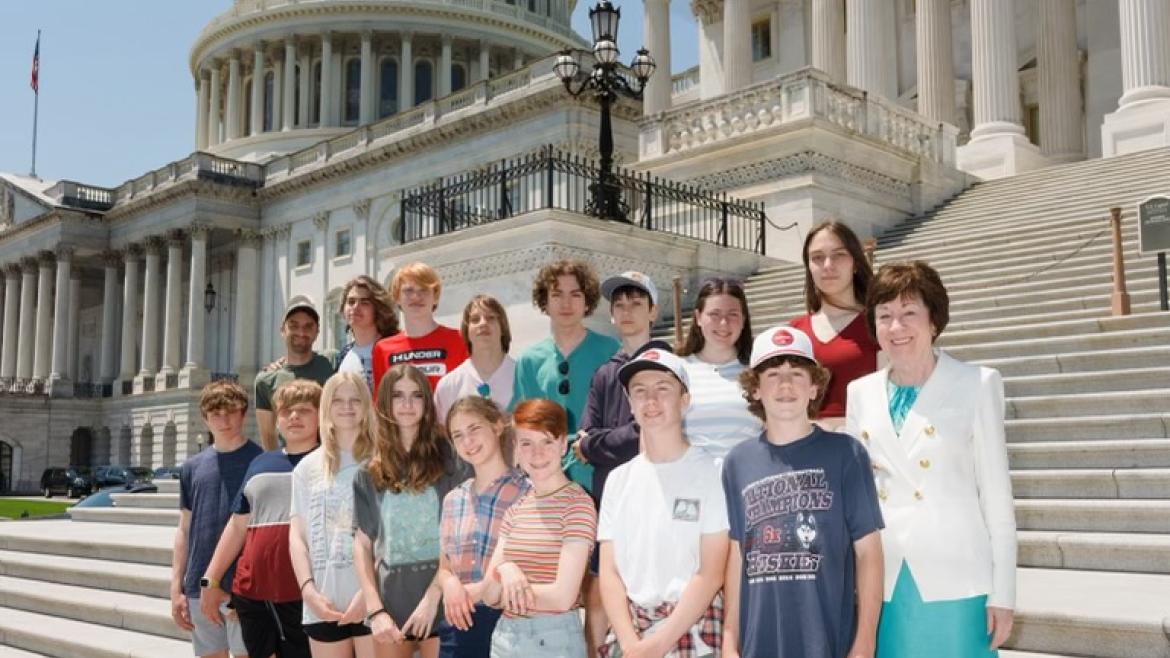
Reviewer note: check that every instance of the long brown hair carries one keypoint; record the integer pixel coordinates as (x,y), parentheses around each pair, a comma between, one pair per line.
(862,271)
(364,444)
(720,286)
(487,410)
(385,316)
(392,467)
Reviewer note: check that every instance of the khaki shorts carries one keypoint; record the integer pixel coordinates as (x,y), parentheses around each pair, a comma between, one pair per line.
(208,638)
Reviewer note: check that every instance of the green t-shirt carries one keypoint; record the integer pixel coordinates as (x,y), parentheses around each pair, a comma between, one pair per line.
(317,369)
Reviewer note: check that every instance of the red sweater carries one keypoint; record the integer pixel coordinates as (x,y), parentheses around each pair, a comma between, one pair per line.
(849,355)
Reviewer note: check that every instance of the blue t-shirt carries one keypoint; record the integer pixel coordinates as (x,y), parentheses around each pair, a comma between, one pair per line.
(208,485)
(796,511)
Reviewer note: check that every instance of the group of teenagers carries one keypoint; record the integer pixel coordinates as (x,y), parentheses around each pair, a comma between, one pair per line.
(776,497)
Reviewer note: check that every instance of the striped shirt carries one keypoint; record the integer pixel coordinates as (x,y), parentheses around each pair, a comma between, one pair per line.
(536,527)
(470,528)
(718,418)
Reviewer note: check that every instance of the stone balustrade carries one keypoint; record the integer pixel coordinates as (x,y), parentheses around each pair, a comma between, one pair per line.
(682,82)
(795,101)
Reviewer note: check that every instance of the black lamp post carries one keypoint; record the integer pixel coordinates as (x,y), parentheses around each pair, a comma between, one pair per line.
(607,83)
(209,297)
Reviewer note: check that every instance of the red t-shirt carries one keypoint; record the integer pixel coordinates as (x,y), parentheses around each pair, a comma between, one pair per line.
(435,354)
(849,355)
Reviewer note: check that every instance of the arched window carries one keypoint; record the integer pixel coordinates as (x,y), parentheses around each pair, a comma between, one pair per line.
(423,81)
(315,84)
(269,84)
(353,91)
(388,96)
(458,77)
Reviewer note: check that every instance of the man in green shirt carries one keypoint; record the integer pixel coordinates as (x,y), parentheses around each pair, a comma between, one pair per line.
(299,330)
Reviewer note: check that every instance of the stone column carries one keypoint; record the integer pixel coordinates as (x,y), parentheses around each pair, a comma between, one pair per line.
(485,60)
(289,114)
(71,347)
(244,329)
(1142,119)
(149,361)
(1058,66)
(201,113)
(43,352)
(129,313)
(869,38)
(109,367)
(26,347)
(998,146)
(828,37)
(656,36)
(172,313)
(936,61)
(195,373)
(406,74)
(444,66)
(326,82)
(11,323)
(214,116)
(737,46)
(517,59)
(60,362)
(233,97)
(366,97)
(257,88)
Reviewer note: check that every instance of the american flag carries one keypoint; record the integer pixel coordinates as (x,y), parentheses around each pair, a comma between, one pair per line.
(35,81)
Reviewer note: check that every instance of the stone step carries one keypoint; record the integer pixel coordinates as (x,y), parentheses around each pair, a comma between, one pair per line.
(146,500)
(957,227)
(1079,404)
(57,636)
(1092,483)
(1145,303)
(145,544)
(1099,342)
(1040,244)
(13,652)
(1130,379)
(969,211)
(134,515)
(1090,613)
(167,486)
(130,577)
(132,612)
(1018,331)
(1072,428)
(1080,362)
(1105,453)
(1065,514)
(1096,551)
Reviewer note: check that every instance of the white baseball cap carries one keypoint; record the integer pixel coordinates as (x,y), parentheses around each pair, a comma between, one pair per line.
(302,303)
(654,359)
(780,341)
(635,279)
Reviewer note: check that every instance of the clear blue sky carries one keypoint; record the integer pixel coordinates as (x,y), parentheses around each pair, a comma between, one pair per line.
(117,98)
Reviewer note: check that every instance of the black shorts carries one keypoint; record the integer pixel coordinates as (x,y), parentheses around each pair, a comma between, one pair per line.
(271,628)
(330,631)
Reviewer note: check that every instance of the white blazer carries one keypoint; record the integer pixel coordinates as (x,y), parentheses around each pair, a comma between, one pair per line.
(943,482)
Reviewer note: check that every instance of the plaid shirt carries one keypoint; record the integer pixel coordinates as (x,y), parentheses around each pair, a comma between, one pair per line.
(470,525)
(709,628)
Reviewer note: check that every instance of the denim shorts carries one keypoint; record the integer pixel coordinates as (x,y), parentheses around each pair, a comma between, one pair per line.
(548,636)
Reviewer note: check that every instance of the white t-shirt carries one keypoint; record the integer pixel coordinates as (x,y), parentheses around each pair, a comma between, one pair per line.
(465,380)
(326,508)
(655,516)
(718,418)
(359,359)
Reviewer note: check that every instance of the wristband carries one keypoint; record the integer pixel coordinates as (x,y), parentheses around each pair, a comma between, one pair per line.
(370,617)
(306,582)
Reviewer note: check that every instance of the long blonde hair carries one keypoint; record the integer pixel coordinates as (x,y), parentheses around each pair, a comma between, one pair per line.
(363,446)
(391,466)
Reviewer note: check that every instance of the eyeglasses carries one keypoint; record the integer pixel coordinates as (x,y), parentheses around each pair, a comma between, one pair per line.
(484,391)
(563,368)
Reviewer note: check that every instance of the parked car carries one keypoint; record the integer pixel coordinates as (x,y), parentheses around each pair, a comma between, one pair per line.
(166,473)
(122,476)
(74,481)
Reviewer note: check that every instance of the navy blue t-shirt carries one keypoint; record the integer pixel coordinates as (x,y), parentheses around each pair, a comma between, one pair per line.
(208,485)
(796,511)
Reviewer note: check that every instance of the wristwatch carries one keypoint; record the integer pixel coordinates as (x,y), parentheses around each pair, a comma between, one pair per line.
(207,583)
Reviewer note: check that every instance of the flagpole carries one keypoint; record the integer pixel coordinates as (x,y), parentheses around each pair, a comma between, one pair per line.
(36,111)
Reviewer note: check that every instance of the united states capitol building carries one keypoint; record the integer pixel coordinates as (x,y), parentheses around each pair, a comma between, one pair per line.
(335,138)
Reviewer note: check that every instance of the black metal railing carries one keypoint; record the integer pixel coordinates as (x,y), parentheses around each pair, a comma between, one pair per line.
(230,376)
(92,390)
(551,179)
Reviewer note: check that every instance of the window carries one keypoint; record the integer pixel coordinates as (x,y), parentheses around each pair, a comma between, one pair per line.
(297,118)
(458,77)
(1032,123)
(761,40)
(246,124)
(315,111)
(342,244)
(269,82)
(304,253)
(423,82)
(388,96)
(353,91)
(532,6)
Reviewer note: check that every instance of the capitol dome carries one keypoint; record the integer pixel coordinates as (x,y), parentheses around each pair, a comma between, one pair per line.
(381,57)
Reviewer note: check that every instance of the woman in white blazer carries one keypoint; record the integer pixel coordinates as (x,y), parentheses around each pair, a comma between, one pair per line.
(935,434)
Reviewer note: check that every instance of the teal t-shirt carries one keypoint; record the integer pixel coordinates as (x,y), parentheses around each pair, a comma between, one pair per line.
(541,373)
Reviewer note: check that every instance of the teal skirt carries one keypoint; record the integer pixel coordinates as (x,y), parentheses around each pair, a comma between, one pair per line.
(912,628)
